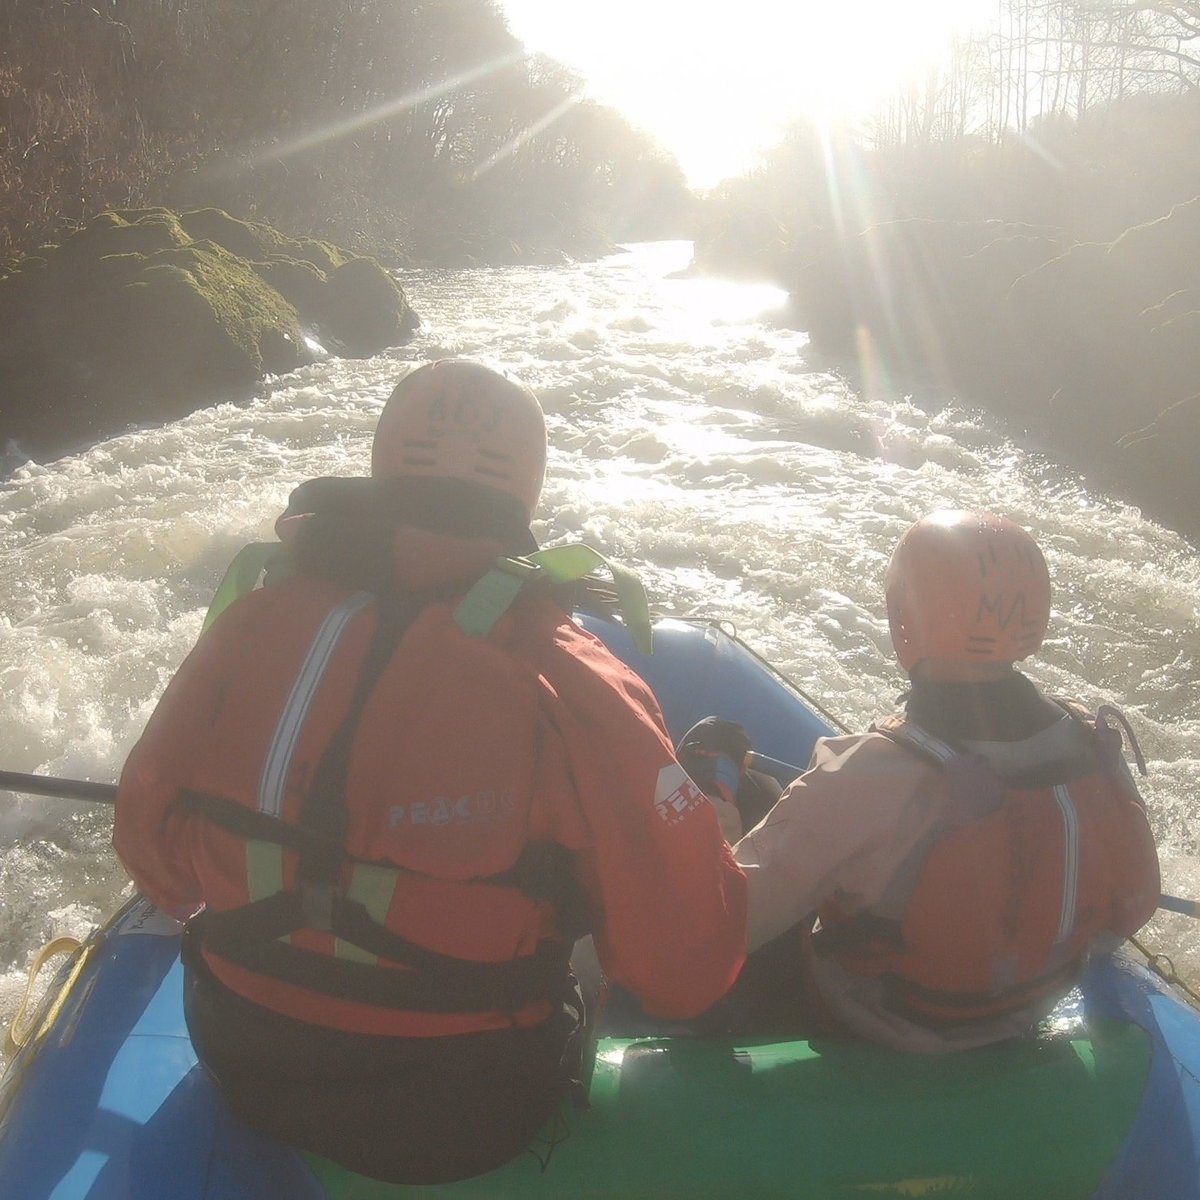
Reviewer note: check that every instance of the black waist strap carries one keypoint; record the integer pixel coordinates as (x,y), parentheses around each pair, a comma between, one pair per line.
(931,1007)
(419,979)
(860,933)
(543,871)
(409,976)
(250,824)
(453,987)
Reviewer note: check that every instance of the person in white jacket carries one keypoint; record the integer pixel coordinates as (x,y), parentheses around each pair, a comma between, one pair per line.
(949,871)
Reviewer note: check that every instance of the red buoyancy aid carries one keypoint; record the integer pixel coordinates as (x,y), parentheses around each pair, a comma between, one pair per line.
(358,870)
(1002,907)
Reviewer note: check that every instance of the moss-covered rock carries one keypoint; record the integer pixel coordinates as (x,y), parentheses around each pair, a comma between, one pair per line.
(201,297)
(241,238)
(364,309)
(258,242)
(299,283)
(113,233)
(146,315)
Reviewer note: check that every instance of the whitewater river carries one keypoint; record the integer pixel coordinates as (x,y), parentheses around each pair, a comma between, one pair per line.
(690,438)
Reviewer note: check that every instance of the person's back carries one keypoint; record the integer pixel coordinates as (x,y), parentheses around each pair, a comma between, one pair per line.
(962,858)
(399,818)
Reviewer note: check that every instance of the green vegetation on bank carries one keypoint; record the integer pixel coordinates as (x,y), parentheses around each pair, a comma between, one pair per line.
(147,315)
(152,150)
(412,130)
(1018,232)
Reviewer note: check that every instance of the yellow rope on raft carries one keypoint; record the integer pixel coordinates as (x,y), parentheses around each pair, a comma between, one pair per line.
(18,1031)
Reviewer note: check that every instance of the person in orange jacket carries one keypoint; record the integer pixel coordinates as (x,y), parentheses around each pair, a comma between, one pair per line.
(385,820)
(937,883)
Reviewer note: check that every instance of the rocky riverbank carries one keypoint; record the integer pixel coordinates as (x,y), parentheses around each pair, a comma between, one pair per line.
(143,316)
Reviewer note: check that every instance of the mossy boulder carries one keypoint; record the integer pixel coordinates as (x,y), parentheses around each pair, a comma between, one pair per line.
(146,315)
(298,282)
(363,309)
(258,242)
(112,233)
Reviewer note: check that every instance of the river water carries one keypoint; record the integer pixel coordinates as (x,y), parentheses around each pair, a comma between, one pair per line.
(691,438)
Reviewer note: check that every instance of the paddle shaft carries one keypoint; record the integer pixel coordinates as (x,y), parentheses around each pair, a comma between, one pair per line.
(64,789)
(1177,904)
(772,766)
(106,793)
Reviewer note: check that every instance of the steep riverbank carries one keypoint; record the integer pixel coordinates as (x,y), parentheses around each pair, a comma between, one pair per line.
(1089,347)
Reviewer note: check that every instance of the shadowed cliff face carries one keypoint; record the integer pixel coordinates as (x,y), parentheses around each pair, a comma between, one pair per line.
(1112,329)
(143,316)
(1092,346)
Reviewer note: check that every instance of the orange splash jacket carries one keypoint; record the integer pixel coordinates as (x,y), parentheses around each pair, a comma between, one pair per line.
(1022,875)
(420,868)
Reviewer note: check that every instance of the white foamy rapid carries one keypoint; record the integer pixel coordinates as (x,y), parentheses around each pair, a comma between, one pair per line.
(690,438)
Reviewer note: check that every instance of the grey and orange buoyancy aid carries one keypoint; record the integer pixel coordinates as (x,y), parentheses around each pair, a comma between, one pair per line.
(995,913)
(355,874)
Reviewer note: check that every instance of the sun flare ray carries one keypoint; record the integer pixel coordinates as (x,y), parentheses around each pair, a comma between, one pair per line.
(527,134)
(390,108)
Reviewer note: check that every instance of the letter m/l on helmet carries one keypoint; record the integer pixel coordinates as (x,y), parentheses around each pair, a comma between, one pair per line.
(461,420)
(966,587)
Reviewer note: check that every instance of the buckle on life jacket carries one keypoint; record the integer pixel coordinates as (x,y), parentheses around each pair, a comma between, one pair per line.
(316,903)
(1105,714)
(494,592)
(525,569)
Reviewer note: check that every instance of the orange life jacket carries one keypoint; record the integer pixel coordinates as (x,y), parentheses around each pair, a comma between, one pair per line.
(1001,907)
(357,869)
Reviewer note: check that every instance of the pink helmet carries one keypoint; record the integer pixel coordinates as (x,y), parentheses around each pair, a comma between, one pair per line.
(453,419)
(966,587)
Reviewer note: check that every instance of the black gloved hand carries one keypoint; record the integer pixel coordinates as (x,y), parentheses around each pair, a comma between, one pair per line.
(712,752)
(705,744)
(717,736)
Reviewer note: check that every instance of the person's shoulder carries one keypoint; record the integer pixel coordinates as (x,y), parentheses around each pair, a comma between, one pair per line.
(548,631)
(868,749)
(866,763)
(561,649)
(296,597)
(867,774)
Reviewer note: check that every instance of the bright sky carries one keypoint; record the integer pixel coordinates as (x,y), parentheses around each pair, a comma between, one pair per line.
(715,82)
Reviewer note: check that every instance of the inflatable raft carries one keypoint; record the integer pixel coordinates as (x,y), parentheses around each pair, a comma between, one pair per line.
(106,1101)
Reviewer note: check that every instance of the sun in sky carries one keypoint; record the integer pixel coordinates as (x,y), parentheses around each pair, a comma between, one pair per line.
(717,83)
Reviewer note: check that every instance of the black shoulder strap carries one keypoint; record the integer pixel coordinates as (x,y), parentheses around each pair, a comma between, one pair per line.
(919,741)
(973,773)
(323,812)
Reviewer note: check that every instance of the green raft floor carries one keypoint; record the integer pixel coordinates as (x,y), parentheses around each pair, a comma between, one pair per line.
(697,1117)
